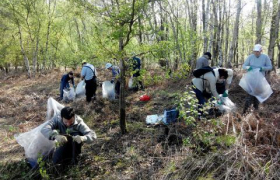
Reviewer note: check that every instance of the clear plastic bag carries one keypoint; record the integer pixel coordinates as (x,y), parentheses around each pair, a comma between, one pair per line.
(69,94)
(81,90)
(227,105)
(255,84)
(108,90)
(130,83)
(35,144)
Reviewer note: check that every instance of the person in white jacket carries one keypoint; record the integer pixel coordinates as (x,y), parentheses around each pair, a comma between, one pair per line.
(207,84)
(260,61)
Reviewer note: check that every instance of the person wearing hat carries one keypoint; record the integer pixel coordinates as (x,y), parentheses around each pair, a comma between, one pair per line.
(203,60)
(89,74)
(64,82)
(260,61)
(115,77)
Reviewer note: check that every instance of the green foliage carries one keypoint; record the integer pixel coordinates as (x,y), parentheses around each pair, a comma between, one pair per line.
(43,168)
(187,106)
(183,72)
(16,170)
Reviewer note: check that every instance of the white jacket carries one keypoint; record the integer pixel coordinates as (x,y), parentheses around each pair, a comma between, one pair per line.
(210,81)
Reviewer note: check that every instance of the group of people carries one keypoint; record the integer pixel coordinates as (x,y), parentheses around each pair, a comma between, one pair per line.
(89,74)
(68,129)
(218,81)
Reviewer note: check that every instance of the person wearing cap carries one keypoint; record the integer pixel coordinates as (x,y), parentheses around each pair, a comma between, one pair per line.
(115,77)
(260,61)
(64,82)
(70,132)
(89,74)
(203,60)
(207,85)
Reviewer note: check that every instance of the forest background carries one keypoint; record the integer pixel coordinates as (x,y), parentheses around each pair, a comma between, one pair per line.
(44,38)
(44,34)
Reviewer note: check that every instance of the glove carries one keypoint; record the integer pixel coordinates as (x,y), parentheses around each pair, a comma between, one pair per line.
(79,139)
(249,69)
(261,69)
(61,139)
(112,81)
(225,94)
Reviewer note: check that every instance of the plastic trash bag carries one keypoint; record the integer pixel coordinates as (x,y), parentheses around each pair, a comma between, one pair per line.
(154,119)
(108,90)
(69,94)
(81,89)
(227,105)
(34,142)
(255,84)
(130,83)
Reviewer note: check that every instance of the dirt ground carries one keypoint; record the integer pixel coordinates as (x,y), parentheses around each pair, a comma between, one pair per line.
(143,153)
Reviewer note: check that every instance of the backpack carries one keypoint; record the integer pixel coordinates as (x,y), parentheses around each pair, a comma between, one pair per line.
(201,71)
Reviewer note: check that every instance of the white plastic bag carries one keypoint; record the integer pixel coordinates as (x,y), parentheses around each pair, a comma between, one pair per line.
(34,142)
(108,90)
(130,83)
(255,84)
(81,90)
(69,95)
(227,105)
(154,119)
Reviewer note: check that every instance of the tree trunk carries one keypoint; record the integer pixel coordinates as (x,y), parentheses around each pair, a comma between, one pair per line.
(259,22)
(26,61)
(274,30)
(234,35)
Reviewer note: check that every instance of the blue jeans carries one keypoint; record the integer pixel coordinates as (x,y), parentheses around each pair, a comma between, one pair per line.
(63,85)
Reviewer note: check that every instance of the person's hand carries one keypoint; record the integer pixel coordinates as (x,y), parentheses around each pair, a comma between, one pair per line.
(112,81)
(79,139)
(225,94)
(249,69)
(61,139)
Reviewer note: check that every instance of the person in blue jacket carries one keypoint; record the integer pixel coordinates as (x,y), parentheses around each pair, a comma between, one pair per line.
(136,66)
(115,77)
(64,83)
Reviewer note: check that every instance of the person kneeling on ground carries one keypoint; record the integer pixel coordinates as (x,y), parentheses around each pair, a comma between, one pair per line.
(115,77)
(64,83)
(208,81)
(70,131)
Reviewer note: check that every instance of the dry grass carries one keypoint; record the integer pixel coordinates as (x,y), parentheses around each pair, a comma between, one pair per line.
(145,152)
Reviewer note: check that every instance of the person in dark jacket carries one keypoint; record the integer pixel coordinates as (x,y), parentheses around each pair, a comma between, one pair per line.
(64,83)
(70,131)
(136,67)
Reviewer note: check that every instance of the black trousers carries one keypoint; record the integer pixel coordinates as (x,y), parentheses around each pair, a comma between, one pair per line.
(90,88)
(67,153)
(249,101)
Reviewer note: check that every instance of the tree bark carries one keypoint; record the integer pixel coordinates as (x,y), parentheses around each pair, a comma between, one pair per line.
(26,61)
(234,36)
(259,22)
(274,30)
